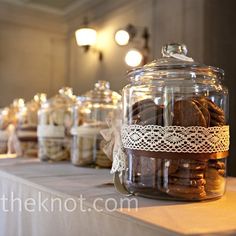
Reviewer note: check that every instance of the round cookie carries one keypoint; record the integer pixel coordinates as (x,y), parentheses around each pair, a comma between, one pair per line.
(192,164)
(212,107)
(156,120)
(217,164)
(187,182)
(187,113)
(217,117)
(188,174)
(204,111)
(141,105)
(186,192)
(215,183)
(152,114)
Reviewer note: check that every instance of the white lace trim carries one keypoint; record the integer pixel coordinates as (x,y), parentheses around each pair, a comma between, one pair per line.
(193,139)
(50,131)
(119,161)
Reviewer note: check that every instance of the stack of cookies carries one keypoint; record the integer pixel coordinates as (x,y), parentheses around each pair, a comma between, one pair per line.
(88,146)
(180,175)
(215,176)
(53,149)
(55,146)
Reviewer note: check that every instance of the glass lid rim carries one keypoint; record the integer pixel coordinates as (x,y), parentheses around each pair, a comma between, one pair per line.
(160,68)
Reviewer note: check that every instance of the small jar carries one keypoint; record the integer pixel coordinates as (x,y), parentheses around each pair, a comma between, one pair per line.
(54,124)
(175,133)
(90,116)
(26,130)
(4,133)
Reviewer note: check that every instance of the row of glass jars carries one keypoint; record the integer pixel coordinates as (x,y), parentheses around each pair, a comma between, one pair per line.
(70,126)
(62,127)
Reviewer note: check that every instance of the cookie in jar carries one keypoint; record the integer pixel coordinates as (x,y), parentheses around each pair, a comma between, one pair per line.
(54,124)
(175,133)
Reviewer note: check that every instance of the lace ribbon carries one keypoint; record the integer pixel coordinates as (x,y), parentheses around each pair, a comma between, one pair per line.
(193,139)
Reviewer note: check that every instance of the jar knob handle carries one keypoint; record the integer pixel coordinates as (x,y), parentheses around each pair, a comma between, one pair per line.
(174,48)
(102,85)
(67,91)
(177,51)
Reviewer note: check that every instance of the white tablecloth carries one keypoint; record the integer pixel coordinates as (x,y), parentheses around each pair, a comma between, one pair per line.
(24,179)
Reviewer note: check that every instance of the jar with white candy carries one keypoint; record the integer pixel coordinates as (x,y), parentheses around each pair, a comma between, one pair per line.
(26,130)
(54,124)
(90,116)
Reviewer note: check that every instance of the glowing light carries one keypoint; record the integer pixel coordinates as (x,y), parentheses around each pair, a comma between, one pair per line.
(122,37)
(133,58)
(86,37)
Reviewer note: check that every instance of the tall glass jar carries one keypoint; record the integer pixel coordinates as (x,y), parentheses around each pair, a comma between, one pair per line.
(4,133)
(89,117)
(27,126)
(13,117)
(54,124)
(175,132)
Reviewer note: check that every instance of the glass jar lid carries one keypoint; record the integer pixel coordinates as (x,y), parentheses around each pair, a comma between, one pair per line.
(17,103)
(174,63)
(102,93)
(36,102)
(28,113)
(64,98)
(40,98)
(14,109)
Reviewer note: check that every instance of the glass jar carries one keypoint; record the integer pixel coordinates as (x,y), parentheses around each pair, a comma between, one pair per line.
(13,113)
(4,133)
(26,130)
(175,133)
(54,124)
(89,117)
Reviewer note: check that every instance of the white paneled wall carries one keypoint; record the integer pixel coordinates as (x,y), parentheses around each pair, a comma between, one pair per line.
(31,60)
(45,58)
(180,21)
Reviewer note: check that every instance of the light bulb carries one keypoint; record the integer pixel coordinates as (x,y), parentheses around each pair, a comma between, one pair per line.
(122,37)
(86,36)
(133,58)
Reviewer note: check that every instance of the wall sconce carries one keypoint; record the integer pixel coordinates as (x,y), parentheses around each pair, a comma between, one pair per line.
(139,55)
(86,37)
